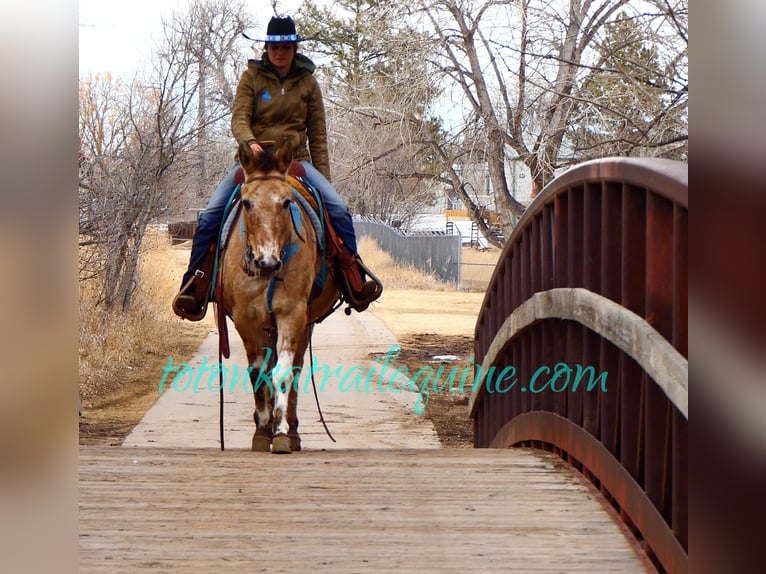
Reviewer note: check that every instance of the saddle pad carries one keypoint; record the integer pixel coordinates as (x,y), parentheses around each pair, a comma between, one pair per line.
(314,216)
(232,214)
(306,190)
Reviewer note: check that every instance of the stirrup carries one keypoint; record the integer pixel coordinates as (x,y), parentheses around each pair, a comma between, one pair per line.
(183,301)
(372,289)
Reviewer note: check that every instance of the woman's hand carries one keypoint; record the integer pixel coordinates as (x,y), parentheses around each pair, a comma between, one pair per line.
(256,149)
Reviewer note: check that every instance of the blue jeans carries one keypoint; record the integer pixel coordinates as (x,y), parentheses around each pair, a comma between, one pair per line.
(209,221)
(339,214)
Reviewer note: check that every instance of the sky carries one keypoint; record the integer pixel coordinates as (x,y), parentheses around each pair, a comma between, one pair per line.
(116,36)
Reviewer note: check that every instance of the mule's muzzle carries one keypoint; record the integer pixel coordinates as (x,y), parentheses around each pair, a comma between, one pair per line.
(268,266)
(263,267)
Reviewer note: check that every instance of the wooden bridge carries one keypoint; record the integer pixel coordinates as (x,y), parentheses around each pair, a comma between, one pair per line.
(595,275)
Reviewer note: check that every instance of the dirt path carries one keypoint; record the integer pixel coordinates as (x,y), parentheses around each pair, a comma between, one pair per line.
(358,406)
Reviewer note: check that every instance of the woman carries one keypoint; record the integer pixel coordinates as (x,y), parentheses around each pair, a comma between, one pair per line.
(278,99)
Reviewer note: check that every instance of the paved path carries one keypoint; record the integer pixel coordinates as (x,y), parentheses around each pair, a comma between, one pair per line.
(182,418)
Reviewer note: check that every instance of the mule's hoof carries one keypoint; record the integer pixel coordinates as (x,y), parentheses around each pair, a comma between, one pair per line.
(295,442)
(261,443)
(280,444)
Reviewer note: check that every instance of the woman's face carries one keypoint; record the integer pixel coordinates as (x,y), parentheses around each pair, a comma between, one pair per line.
(281,56)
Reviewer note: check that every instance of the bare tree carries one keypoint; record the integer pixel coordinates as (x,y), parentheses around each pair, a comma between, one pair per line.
(377,93)
(206,41)
(105,137)
(523,68)
(123,166)
(141,142)
(635,104)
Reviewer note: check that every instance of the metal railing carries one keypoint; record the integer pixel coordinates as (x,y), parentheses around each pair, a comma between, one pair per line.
(582,342)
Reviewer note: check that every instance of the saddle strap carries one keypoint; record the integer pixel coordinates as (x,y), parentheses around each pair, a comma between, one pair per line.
(337,251)
(220,319)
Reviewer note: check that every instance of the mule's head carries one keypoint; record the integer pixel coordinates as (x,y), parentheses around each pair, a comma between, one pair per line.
(266,200)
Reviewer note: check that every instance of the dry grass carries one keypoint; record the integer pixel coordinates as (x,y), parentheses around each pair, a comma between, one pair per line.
(122,353)
(395,275)
(410,311)
(477,268)
(415,303)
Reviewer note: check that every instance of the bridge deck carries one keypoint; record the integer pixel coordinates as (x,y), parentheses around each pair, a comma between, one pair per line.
(435,510)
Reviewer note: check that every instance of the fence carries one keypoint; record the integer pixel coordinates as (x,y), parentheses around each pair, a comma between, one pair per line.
(431,252)
(181,231)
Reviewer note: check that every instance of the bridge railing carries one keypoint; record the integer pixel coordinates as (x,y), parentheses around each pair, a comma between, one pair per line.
(585,324)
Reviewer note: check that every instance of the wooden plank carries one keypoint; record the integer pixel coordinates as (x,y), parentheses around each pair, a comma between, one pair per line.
(459,510)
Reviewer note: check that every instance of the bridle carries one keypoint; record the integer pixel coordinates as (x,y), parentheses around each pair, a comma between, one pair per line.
(287,250)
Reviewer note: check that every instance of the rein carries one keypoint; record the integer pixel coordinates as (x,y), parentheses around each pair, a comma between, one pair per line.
(314,386)
(286,254)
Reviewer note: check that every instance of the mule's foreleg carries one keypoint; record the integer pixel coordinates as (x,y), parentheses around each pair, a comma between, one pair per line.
(258,355)
(262,416)
(292,419)
(291,346)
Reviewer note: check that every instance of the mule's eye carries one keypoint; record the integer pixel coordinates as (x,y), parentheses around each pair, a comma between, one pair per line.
(286,203)
(247,204)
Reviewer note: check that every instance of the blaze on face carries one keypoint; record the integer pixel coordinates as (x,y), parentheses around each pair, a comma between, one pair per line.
(268,226)
(266,199)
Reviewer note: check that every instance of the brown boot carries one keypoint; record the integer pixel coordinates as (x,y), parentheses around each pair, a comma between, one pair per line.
(191,301)
(368,290)
(189,304)
(359,294)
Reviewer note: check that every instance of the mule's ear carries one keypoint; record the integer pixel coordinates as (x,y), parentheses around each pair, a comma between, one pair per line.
(284,157)
(246,157)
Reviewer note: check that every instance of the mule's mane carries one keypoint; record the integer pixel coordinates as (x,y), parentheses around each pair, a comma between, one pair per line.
(271,160)
(266,162)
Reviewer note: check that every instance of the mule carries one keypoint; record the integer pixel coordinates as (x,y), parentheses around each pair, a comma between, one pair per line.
(268,271)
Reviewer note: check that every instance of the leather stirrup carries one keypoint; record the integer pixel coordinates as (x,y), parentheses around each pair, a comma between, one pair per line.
(199,285)
(358,294)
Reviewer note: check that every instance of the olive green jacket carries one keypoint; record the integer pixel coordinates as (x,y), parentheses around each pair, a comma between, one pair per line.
(269,109)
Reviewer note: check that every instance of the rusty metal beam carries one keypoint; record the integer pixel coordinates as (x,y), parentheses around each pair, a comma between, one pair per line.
(554,431)
(616,231)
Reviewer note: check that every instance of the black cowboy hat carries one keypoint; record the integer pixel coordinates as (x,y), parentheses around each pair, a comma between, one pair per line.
(280,30)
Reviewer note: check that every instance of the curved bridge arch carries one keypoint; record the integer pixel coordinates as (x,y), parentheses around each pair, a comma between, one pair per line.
(595,276)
